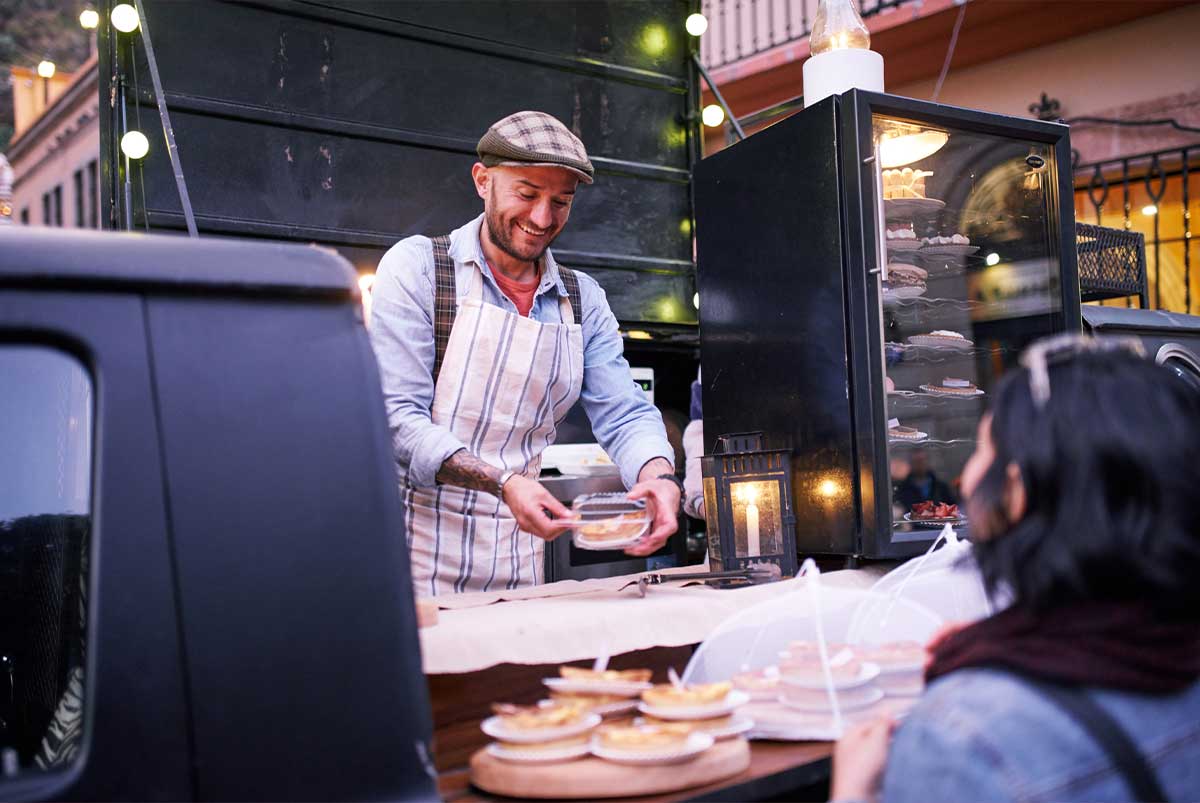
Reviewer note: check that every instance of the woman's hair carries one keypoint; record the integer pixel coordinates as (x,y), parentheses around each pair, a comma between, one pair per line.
(1111,469)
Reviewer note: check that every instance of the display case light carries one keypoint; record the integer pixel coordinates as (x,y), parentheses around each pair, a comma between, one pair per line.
(903,147)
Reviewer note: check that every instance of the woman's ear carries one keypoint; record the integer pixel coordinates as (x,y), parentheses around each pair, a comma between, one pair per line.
(1015,498)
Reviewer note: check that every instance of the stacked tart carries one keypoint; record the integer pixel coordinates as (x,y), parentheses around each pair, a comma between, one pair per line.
(605,691)
(544,733)
(702,708)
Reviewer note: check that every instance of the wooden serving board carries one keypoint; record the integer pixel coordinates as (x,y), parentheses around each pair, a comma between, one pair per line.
(589,778)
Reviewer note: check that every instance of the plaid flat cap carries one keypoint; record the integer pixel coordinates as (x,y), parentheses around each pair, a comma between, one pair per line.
(534,138)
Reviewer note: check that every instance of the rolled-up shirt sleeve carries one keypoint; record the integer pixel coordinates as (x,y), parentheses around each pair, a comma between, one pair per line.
(625,423)
(402,336)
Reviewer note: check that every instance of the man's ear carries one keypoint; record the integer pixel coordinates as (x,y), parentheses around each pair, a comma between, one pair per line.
(482,176)
(1015,498)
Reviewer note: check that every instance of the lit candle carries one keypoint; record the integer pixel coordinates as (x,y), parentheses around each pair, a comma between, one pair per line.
(753,547)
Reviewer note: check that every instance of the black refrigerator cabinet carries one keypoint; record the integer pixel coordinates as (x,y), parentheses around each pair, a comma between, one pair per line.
(867,270)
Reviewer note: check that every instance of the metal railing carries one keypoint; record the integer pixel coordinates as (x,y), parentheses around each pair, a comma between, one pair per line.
(739,29)
(1151,193)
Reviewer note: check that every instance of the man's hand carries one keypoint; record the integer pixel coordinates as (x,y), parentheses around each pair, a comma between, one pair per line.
(859,759)
(662,501)
(529,501)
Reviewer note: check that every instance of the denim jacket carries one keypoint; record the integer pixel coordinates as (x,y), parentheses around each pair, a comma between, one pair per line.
(625,423)
(984,735)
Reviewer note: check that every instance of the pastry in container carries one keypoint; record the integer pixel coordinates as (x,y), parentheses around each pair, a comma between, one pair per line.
(608,521)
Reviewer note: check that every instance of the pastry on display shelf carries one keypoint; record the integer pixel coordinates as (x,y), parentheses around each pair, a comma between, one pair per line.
(955,239)
(941,338)
(906,183)
(904,280)
(901,236)
(900,433)
(605,675)
(953,387)
(668,694)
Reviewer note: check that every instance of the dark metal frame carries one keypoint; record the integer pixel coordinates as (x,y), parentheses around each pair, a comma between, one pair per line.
(856,109)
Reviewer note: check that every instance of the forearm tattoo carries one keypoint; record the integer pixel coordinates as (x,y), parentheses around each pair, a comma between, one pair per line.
(654,468)
(467,471)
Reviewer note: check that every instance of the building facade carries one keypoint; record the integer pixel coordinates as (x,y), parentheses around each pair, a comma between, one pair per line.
(55,149)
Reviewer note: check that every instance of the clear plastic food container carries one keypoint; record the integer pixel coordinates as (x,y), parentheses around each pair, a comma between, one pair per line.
(608,521)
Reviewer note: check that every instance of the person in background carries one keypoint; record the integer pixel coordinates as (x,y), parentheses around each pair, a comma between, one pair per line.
(1082,500)
(484,343)
(922,485)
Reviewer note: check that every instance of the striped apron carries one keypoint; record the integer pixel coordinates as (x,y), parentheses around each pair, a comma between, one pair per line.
(505,383)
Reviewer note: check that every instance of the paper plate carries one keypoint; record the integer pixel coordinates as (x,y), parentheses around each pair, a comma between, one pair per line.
(519,756)
(867,673)
(934,341)
(903,245)
(868,699)
(949,250)
(696,744)
(732,700)
(494,727)
(901,209)
(938,390)
(736,727)
(625,688)
(939,523)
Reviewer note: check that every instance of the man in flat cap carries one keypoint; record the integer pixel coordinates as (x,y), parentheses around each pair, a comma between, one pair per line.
(484,343)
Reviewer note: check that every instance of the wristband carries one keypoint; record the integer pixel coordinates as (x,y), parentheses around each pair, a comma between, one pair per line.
(505,477)
(678,484)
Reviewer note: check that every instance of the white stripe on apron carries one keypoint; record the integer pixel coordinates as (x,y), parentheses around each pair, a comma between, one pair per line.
(506,382)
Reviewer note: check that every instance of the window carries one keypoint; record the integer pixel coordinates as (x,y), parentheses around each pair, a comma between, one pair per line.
(79,199)
(92,195)
(58,205)
(25,216)
(45,471)
(46,217)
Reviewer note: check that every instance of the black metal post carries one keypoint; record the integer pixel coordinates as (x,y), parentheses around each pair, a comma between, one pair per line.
(720,99)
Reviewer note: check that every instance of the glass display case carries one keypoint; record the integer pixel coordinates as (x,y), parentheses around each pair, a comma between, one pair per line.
(967,237)
(868,269)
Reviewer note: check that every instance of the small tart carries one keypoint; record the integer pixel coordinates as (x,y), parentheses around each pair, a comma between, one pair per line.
(954,386)
(810,669)
(666,694)
(606,675)
(636,738)
(905,433)
(896,653)
(547,747)
(537,717)
(614,528)
(756,681)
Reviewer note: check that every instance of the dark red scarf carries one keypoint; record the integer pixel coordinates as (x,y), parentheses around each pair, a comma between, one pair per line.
(1112,645)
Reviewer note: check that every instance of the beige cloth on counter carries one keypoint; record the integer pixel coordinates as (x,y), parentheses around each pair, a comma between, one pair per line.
(577,620)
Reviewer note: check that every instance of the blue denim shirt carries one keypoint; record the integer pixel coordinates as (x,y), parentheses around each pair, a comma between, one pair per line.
(983,735)
(625,423)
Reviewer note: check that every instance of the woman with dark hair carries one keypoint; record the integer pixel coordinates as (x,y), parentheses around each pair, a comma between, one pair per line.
(1084,499)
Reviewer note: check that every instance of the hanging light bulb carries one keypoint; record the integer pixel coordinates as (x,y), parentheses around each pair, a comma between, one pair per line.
(713,115)
(696,24)
(838,26)
(89,18)
(46,68)
(124,18)
(135,145)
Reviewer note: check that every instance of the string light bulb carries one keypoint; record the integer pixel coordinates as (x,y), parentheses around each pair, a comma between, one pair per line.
(713,115)
(696,24)
(89,18)
(124,18)
(838,26)
(135,145)
(46,69)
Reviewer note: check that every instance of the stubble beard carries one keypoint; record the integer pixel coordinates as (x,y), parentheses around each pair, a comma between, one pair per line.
(498,235)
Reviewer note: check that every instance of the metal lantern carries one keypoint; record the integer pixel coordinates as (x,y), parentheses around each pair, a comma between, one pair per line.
(748,504)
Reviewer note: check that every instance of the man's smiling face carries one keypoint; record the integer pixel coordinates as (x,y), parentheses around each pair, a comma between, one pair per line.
(525,207)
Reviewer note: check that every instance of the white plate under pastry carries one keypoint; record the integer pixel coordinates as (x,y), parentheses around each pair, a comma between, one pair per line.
(624,688)
(903,245)
(949,250)
(494,727)
(957,522)
(938,390)
(935,341)
(867,700)
(867,672)
(736,726)
(696,744)
(548,756)
(732,700)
